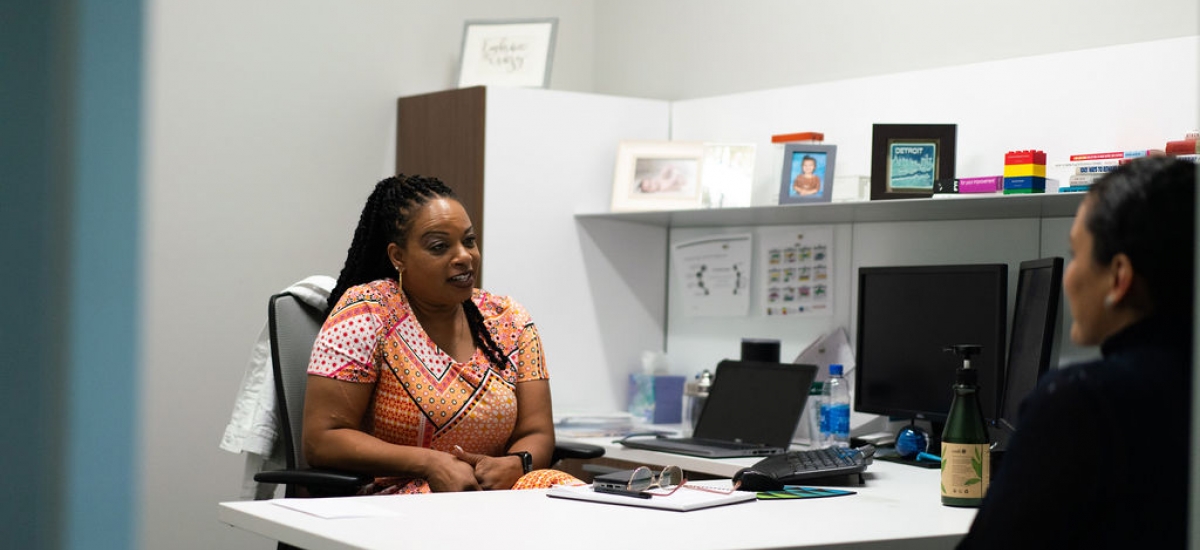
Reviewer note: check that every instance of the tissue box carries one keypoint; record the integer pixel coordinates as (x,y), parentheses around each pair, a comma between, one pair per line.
(656,399)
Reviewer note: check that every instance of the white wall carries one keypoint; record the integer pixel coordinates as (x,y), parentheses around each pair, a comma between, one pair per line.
(684,49)
(267,123)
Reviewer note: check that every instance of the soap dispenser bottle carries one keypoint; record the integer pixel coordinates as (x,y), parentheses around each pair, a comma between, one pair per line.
(966,452)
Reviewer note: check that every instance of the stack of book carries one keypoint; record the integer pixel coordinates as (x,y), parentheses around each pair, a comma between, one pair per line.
(1083,169)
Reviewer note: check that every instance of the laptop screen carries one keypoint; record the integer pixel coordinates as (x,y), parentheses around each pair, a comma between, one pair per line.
(755,402)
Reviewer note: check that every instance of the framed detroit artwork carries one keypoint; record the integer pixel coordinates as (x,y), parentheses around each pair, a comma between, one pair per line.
(906,159)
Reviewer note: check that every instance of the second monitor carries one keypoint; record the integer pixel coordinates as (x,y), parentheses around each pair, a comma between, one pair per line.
(1037,318)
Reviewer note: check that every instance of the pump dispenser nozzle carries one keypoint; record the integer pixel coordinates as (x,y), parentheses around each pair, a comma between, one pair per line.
(966,374)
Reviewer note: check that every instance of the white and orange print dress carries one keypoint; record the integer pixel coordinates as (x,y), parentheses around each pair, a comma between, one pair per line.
(423,397)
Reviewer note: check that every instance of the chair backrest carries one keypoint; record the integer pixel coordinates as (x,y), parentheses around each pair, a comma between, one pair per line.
(294,326)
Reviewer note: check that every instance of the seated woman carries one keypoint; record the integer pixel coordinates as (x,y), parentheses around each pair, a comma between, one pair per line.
(417,376)
(1100,458)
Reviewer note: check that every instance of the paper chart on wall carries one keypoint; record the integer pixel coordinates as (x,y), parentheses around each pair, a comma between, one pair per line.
(714,275)
(797,267)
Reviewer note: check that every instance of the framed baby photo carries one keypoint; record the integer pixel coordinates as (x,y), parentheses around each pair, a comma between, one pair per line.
(908,159)
(807,173)
(657,175)
(514,52)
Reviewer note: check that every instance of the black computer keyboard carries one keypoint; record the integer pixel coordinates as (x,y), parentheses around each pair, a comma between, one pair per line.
(794,467)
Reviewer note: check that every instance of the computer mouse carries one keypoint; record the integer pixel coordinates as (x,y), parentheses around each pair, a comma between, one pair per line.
(754,480)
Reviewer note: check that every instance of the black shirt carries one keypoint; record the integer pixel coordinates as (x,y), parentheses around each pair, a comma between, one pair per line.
(1100,457)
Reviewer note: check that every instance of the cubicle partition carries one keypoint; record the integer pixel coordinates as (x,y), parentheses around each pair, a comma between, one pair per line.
(602,289)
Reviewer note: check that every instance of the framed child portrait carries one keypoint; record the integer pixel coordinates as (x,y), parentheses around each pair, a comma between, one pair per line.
(807,173)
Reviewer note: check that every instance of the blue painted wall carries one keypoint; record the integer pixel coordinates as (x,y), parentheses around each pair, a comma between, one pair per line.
(69,215)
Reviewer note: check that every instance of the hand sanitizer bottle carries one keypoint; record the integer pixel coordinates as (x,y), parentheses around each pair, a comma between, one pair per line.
(966,453)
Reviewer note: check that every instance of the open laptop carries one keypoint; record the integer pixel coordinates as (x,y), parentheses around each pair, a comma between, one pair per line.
(752,410)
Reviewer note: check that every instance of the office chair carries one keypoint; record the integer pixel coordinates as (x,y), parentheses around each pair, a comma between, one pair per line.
(293,327)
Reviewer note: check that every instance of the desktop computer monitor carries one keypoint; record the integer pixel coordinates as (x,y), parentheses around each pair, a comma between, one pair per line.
(1036,319)
(907,316)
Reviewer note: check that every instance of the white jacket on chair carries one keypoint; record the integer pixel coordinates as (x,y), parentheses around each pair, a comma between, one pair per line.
(253,429)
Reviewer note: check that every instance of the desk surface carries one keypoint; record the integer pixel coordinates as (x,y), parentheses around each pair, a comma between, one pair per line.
(898,506)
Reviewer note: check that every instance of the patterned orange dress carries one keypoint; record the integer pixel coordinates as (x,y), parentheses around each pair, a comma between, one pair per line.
(422,396)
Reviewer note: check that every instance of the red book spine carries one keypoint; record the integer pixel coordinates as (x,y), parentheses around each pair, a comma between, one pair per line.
(1118,155)
(1098,156)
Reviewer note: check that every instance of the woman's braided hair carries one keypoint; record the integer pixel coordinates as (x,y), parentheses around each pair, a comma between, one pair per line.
(385,219)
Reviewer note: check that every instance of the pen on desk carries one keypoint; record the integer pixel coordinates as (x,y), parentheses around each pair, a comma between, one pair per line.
(621,492)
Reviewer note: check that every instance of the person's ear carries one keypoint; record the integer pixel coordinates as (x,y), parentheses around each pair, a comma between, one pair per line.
(396,256)
(1120,273)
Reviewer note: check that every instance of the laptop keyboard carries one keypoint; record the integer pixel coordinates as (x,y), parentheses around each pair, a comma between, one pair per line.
(794,466)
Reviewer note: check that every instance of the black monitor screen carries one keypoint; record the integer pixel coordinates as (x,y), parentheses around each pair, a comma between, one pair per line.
(1031,344)
(907,316)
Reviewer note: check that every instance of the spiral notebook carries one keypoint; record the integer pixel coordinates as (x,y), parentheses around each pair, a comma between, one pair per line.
(682,500)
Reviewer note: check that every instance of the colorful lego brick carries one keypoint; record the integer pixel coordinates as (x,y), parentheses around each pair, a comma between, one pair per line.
(1024,182)
(1025,157)
(1018,170)
(985,184)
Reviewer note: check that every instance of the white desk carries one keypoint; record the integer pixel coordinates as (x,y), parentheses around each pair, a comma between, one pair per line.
(899,507)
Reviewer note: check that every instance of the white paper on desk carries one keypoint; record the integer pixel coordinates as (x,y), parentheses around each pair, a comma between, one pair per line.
(593,425)
(335,508)
(683,500)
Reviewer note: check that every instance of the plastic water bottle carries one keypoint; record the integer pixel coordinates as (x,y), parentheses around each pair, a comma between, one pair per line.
(835,409)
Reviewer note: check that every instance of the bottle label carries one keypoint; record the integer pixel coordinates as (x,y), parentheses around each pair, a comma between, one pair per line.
(966,470)
(835,420)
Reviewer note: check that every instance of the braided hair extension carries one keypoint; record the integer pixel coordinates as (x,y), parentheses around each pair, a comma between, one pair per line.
(385,219)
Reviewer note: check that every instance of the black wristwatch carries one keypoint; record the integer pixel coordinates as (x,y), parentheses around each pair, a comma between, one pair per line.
(526,460)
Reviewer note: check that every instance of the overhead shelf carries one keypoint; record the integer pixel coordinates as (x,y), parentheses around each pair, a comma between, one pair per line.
(979,207)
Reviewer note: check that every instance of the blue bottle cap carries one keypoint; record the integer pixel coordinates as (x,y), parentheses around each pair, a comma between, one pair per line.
(835,369)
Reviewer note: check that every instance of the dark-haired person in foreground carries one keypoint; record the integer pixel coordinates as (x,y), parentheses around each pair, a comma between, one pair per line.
(418,377)
(1101,454)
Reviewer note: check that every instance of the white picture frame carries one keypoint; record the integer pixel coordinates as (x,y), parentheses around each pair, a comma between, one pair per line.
(728,175)
(511,52)
(658,175)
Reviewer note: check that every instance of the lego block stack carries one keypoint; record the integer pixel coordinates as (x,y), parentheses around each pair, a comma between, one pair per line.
(1024,172)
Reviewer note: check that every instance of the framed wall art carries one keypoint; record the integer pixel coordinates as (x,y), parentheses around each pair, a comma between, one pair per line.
(907,159)
(807,173)
(657,175)
(516,52)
